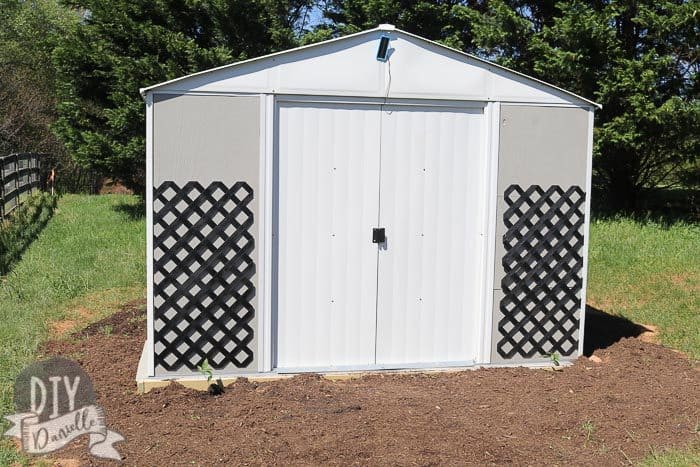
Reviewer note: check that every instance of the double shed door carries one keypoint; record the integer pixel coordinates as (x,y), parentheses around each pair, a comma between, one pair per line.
(343,170)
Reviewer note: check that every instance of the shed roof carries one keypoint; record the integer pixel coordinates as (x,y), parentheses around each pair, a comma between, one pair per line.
(203,81)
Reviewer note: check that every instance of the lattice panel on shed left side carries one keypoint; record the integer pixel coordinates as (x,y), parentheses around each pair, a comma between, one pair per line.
(203,271)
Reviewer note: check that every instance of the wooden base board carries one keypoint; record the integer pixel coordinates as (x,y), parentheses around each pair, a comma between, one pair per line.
(198,382)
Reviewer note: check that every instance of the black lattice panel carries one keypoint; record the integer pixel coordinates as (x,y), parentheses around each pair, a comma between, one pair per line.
(203,272)
(543,266)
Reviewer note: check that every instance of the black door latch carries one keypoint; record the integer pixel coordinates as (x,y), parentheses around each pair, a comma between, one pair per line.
(379,235)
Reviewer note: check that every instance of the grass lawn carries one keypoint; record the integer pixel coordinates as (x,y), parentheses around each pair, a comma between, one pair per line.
(674,458)
(650,274)
(88,261)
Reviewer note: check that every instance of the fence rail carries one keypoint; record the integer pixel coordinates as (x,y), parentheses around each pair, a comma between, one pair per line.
(19,174)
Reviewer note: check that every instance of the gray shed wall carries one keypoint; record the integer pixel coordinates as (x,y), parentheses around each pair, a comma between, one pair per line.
(206,138)
(539,232)
(206,159)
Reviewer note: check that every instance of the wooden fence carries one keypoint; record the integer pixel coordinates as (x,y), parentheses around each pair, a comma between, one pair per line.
(20,174)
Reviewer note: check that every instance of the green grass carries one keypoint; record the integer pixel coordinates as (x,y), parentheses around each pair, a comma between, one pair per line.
(673,457)
(649,273)
(88,260)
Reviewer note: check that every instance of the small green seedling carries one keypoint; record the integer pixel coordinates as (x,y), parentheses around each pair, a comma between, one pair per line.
(554,357)
(206,370)
(216,388)
(588,429)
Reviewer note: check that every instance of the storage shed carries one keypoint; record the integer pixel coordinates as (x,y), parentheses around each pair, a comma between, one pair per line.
(377,201)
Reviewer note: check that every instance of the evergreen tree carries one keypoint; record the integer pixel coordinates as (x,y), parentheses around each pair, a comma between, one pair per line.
(639,59)
(123,45)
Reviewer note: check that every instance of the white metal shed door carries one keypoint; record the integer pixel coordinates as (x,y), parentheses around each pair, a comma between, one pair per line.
(328,183)
(432,207)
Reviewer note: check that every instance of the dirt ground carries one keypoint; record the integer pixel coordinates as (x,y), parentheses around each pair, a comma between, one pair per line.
(640,396)
(109,187)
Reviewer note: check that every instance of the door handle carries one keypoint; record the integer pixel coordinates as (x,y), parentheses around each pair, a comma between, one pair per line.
(379,235)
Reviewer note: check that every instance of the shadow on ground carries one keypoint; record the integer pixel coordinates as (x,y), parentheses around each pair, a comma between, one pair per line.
(603,330)
(662,206)
(132,211)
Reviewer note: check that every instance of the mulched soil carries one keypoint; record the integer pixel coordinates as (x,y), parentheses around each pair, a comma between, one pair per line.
(641,396)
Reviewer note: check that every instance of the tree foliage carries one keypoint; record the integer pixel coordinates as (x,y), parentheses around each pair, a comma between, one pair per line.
(639,59)
(123,45)
(30,31)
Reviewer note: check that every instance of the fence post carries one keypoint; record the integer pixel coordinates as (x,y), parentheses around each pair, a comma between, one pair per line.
(17,180)
(2,188)
(31,174)
(35,172)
